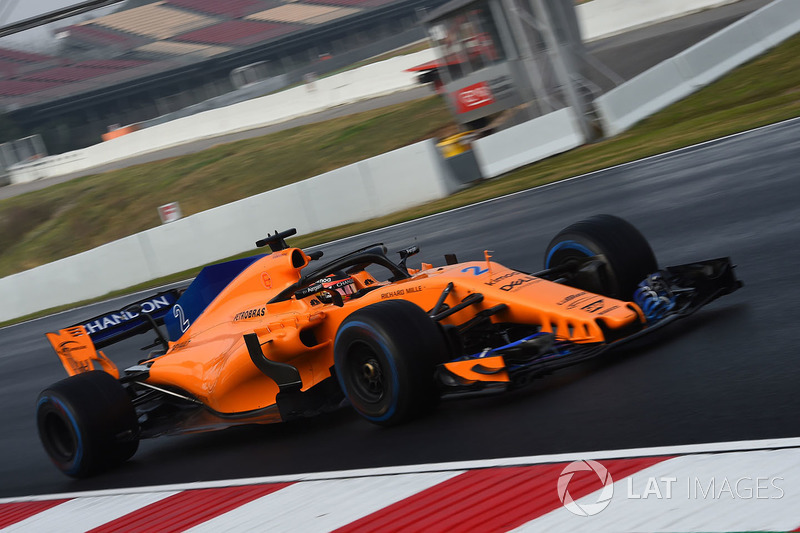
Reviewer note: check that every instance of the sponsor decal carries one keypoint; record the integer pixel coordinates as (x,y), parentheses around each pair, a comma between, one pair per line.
(473,97)
(501,87)
(593,306)
(80,366)
(76,331)
(311,289)
(510,285)
(570,298)
(65,350)
(500,278)
(517,283)
(115,319)
(266,280)
(67,347)
(340,284)
(400,292)
(591,303)
(250,313)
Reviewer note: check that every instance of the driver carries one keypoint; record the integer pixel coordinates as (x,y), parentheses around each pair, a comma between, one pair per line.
(341,283)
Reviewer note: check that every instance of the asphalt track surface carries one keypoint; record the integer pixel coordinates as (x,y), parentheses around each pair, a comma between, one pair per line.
(627,55)
(727,373)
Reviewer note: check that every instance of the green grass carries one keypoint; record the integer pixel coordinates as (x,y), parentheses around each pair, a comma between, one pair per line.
(72,217)
(79,215)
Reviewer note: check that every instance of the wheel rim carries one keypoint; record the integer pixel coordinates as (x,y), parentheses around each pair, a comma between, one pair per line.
(571,252)
(567,251)
(367,375)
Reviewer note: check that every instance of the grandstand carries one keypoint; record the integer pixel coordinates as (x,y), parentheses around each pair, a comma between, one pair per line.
(299,13)
(239,33)
(161,49)
(123,66)
(86,38)
(232,9)
(20,87)
(154,21)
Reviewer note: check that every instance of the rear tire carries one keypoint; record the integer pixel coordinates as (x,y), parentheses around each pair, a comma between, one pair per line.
(627,255)
(87,423)
(385,356)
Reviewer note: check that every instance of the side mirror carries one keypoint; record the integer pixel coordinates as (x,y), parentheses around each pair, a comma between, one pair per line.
(405,254)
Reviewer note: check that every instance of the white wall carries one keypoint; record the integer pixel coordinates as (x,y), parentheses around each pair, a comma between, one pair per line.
(603,18)
(389,182)
(528,142)
(697,66)
(48,167)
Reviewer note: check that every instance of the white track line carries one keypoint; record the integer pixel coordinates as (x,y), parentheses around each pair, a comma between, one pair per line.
(86,513)
(685,449)
(336,503)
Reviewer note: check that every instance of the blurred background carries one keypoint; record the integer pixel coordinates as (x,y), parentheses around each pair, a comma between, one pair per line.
(65,82)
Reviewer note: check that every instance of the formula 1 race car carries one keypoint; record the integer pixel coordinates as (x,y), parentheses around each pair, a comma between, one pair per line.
(274,337)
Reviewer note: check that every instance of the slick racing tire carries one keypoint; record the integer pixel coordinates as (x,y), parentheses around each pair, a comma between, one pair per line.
(87,423)
(626,254)
(385,356)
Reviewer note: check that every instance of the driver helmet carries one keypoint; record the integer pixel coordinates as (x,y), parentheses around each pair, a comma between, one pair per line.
(341,283)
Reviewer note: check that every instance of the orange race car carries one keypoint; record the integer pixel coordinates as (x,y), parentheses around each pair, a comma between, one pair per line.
(274,337)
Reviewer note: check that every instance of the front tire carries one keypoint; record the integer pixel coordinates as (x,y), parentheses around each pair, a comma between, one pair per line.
(385,356)
(87,423)
(626,255)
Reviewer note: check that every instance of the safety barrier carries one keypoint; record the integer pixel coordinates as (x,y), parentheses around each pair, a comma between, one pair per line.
(697,66)
(47,167)
(528,142)
(389,182)
(603,18)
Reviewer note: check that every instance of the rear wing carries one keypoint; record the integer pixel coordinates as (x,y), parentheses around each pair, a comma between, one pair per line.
(77,352)
(115,326)
(78,345)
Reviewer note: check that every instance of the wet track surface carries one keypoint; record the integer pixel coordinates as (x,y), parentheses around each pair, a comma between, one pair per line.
(729,372)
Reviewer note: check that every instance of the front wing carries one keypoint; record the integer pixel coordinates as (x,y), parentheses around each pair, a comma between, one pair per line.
(664,297)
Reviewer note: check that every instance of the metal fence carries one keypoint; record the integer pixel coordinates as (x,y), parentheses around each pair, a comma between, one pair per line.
(21,150)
